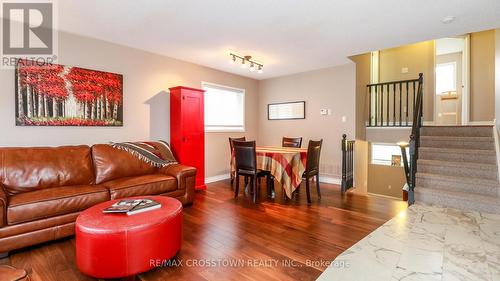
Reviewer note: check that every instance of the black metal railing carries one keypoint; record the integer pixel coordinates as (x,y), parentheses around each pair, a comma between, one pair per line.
(347,163)
(411,168)
(392,104)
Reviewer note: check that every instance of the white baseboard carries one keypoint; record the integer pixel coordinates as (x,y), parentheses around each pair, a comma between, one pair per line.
(481,123)
(385,196)
(217,178)
(332,180)
(324,179)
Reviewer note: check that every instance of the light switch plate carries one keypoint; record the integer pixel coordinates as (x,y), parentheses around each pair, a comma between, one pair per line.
(404,70)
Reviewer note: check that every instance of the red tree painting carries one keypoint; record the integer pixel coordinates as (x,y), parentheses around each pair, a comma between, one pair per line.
(57,95)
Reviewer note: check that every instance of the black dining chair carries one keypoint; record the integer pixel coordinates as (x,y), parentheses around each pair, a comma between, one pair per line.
(291,142)
(231,147)
(246,165)
(312,166)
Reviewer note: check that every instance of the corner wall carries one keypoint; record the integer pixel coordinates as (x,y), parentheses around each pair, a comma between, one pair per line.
(333,88)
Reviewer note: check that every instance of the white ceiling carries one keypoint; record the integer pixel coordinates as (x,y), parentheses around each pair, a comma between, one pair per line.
(288,36)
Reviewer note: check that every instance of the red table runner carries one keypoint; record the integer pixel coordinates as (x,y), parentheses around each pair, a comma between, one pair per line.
(286,165)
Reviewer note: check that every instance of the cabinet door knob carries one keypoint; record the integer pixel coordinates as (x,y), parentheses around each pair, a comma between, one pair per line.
(183,139)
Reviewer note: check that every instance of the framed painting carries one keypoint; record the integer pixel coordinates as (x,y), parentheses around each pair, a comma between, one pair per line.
(58,95)
(286,110)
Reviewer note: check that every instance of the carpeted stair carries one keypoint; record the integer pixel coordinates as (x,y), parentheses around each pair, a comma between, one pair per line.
(457,167)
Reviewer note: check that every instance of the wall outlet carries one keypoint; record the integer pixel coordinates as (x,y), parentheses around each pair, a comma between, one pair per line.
(404,70)
(389,187)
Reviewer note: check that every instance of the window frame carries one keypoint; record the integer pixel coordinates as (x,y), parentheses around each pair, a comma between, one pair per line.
(383,162)
(222,128)
(452,63)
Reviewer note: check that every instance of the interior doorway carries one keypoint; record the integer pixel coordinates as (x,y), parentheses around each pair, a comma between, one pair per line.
(451,81)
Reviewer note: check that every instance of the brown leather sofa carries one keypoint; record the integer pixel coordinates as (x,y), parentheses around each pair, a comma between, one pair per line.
(42,190)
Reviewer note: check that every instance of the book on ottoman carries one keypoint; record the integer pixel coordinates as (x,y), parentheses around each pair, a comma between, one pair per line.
(132,206)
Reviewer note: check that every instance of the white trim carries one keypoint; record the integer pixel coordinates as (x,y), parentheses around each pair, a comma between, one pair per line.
(465,80)
(225,176)
(331,180)
(481,123)
(385,196)
(497,146)
(217,178)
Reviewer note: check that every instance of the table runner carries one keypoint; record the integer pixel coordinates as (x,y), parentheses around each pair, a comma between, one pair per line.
(286,165)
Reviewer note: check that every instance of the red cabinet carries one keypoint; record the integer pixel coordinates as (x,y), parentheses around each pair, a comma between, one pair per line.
(187,129)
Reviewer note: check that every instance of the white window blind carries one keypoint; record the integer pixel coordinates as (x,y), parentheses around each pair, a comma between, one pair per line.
(224,108)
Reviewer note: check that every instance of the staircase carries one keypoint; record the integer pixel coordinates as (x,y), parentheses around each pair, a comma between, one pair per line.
(457,168)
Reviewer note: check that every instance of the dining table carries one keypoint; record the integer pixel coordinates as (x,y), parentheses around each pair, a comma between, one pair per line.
(286,165)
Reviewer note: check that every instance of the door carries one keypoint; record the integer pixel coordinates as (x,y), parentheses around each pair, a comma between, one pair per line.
(193,133)
(451,77)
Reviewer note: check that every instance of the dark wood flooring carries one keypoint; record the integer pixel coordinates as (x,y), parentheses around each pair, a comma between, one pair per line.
(234,239)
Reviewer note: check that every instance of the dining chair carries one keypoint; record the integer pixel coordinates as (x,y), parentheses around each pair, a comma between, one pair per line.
(231,147)
(291,142)
(246,165)
(312,166)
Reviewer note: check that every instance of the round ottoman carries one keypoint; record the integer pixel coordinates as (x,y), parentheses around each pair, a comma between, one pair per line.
(118,245)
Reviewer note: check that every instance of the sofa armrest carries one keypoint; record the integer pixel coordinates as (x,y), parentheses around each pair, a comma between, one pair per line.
(3,207)
(186,177)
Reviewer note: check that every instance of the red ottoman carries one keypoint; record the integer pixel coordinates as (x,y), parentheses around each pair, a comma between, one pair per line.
(117,245)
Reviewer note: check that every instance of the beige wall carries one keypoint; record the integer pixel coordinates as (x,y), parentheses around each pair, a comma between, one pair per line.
(332,88)
(482,76)
(363,63)
(386,180)
(418,58)
(146,79)
(363,66)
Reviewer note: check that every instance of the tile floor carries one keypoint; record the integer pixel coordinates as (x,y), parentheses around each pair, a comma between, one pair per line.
(425,243)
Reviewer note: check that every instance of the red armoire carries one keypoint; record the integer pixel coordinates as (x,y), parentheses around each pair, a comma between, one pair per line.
(187,129)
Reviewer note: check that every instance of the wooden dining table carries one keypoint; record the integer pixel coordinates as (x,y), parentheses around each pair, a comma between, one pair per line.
(285,164)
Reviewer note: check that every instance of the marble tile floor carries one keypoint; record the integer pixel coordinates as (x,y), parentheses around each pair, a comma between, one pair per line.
(424,243)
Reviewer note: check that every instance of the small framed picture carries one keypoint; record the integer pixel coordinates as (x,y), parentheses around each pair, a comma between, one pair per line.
(396,160)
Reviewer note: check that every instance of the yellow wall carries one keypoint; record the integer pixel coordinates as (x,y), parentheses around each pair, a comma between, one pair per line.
(482,76)
(386,180)
(418,58)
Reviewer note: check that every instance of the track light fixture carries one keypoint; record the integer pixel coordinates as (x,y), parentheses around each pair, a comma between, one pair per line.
(246,59)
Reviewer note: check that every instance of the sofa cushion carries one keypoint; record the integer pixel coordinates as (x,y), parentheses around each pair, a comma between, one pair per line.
(50,202)
(143,185)
(28,169)
(112,163)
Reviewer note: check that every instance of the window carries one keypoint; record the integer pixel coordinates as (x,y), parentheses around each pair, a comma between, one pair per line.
(382,153)
(224,108)
(446,77)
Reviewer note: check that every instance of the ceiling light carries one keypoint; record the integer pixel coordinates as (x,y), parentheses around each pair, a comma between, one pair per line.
(448,19)
(254,65)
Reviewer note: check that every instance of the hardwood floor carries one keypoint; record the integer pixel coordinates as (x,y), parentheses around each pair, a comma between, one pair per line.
(234,239)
